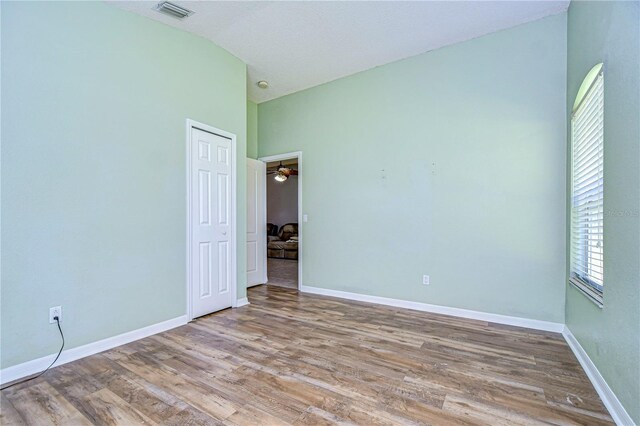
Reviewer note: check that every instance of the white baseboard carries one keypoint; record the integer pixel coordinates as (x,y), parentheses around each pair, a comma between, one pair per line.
(437,309)
(242,302)
(616,409)
(28,368)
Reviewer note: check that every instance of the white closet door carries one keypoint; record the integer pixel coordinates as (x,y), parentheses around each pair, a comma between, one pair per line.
(211,174)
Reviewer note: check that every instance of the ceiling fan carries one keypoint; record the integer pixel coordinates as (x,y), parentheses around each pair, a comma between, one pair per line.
(282,173)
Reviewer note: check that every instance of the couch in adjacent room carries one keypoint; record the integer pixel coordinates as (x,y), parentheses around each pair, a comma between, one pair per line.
(284,245)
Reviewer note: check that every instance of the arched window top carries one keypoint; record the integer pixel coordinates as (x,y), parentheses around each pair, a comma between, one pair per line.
(586,84)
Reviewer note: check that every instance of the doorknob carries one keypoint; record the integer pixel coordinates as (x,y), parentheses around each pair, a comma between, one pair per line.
(224,232)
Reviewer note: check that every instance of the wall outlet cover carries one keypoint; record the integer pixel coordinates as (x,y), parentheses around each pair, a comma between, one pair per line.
(56,311)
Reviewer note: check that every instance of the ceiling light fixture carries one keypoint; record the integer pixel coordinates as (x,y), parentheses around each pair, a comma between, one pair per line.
(173,10)
(262,84)
(282,173)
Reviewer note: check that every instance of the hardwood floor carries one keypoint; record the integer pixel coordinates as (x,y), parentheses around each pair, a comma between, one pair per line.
(290,358)
(283,272)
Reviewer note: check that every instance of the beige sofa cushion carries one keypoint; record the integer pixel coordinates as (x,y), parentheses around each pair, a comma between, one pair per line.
(277,245)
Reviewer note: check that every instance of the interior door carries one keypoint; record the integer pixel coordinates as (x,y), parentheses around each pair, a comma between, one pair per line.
(211,174)
(256,222)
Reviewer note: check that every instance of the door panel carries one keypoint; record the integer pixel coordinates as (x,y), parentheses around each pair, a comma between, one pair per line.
(256,222)
(223,271)
(223,199)
(204,194)
(204,278)
(211,228)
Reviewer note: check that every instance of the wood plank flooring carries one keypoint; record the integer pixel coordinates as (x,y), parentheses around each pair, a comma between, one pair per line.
(283,272)
(290,358)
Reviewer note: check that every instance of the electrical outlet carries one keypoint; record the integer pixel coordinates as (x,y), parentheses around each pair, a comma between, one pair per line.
(425,279)
(56,311)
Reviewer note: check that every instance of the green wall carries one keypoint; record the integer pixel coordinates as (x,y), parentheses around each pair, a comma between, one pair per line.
(94,102)
(451,163)
(609,32)
(252,130)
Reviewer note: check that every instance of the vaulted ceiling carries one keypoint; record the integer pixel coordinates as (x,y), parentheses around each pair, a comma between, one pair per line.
(294,45)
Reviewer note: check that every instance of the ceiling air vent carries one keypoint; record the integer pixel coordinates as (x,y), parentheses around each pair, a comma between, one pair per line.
(174,10)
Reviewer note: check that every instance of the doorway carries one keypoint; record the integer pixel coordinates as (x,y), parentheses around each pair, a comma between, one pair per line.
(284,217)
(211,219)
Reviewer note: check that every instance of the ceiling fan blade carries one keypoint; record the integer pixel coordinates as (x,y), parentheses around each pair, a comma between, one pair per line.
(282,170)
(287,171)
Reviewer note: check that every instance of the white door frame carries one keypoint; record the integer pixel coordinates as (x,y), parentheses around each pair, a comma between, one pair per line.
(233,258)
(289,156)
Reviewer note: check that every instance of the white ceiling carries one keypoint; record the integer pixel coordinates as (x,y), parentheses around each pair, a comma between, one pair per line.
(295,45)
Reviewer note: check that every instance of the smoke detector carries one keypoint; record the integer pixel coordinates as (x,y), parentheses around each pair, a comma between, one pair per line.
(173,10)
(262,84)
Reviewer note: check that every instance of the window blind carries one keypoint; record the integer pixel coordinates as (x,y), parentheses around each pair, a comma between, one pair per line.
(587,210)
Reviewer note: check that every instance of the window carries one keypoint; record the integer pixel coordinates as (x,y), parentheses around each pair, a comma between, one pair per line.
(587,190)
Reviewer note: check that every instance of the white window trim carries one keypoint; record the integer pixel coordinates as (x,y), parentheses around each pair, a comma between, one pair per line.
(588,291)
